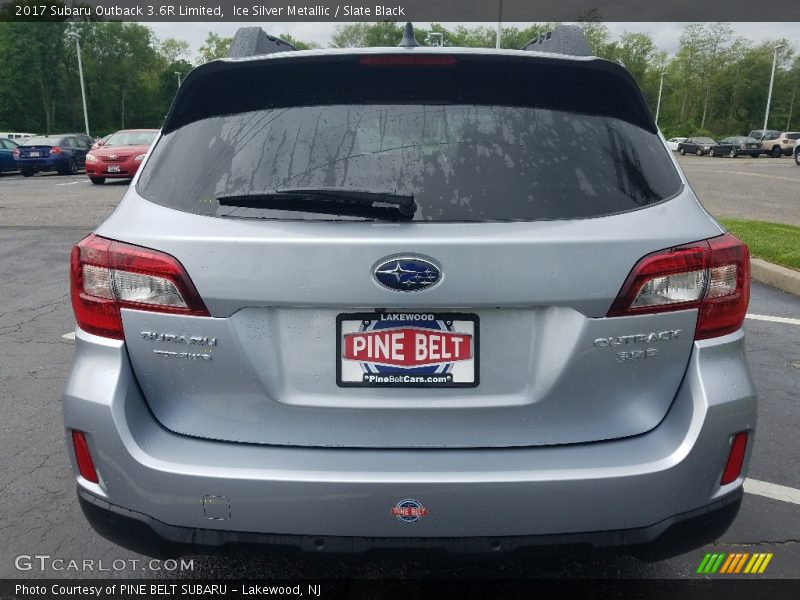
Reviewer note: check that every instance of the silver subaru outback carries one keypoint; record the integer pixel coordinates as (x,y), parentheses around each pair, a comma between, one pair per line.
(444,299)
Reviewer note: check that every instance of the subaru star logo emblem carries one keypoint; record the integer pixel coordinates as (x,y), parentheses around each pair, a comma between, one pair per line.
(407,274)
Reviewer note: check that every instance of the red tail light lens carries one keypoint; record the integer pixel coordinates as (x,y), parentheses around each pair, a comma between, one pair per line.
(712,276)
(733,468)
(55,150)
(407,60)
(107,276)
(83,457)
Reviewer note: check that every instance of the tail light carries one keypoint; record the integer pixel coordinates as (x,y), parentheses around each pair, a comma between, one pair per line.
(107,276)
(15,152)
(712,276)
(55,150)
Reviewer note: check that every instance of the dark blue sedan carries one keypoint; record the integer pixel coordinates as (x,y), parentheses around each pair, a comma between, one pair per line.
(7,162)
(63,153)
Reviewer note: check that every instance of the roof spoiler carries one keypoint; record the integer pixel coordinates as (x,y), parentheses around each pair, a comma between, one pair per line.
(254,41)
(563,39)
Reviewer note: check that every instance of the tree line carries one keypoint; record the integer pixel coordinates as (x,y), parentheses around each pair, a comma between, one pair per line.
(715,84)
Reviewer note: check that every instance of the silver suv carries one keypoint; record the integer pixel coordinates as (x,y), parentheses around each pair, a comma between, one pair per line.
(390,298)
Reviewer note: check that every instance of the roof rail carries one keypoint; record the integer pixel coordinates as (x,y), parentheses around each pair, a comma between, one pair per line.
(564,39)
(254,41)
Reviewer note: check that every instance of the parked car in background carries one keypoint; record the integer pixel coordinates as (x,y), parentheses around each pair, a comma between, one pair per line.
(63,153)
(120,156)
(7,148)
(84,137)
(760,134)
(735,145)
(796,153)
(17,137)
(779,143)
(672,143)
(101,142)
(696,145)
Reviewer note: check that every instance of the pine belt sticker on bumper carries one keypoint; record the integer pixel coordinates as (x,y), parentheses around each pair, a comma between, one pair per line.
(409,510)
(407,350)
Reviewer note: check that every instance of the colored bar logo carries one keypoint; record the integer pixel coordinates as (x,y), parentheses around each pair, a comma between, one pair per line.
(734,563)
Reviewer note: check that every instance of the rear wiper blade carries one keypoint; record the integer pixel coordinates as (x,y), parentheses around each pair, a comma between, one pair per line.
(287,199)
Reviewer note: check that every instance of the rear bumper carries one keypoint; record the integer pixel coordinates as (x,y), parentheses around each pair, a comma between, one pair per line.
(197,491)
(670,537)
(99,169)
(40,164)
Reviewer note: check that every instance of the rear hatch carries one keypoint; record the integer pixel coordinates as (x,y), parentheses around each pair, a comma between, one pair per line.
(478,321)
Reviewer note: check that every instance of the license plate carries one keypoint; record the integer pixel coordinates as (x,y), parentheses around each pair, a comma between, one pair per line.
(34,154)
(407,349)
(113,168)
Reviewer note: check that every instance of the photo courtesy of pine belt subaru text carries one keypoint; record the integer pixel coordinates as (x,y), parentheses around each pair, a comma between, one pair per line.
(436,299)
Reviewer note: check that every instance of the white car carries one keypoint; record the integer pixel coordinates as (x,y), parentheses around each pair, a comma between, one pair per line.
(672,143)
(796,153)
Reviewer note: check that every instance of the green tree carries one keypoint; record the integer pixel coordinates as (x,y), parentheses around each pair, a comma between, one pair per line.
(168,84)
(215,46)
(299,44)
(172,49)
(120,63)
(595,32)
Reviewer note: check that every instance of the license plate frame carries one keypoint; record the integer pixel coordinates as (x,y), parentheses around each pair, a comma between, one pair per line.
(467,375)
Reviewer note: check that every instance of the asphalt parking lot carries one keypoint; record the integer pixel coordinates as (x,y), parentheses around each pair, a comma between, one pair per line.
(763,189)
(42,217)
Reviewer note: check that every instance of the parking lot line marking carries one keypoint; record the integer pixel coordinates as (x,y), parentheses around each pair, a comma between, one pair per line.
(70,183)
(772,490)
(69,336)
(748,174)
(786,320)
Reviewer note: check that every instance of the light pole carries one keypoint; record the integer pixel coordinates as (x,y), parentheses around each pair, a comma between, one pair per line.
(791,106)
(771,81)
(178,73)
(658,104)
(77,37)
(499,22)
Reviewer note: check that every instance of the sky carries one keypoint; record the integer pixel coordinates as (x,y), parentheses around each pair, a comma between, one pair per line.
(665,35)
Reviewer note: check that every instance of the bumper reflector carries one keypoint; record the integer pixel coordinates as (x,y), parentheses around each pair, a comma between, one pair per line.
(83,457)
(735,459)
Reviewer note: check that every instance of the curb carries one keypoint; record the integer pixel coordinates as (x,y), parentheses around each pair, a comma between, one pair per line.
(776,276)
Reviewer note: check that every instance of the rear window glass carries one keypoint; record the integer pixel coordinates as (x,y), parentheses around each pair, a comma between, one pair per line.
(793,136)
(42,140)
(131,138)
(460,162)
